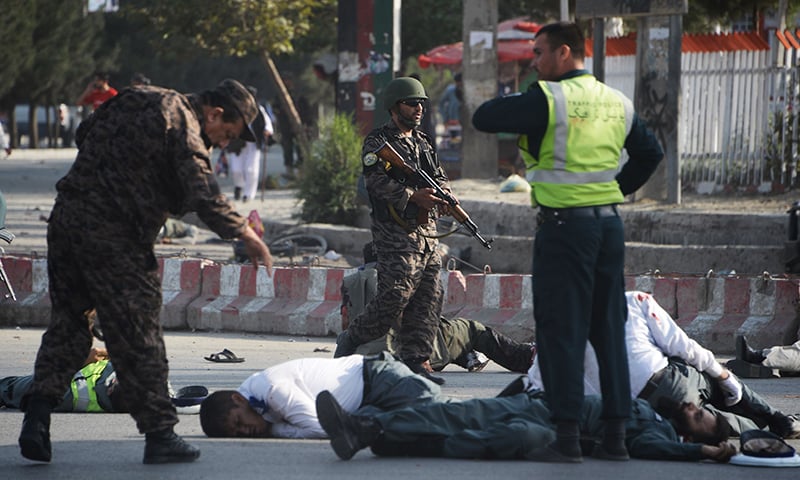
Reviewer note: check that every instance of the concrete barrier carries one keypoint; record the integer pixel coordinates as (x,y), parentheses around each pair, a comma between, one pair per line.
(503,302)
(713,310)
(181,282)
(305,301)
(28,278)
(295,301)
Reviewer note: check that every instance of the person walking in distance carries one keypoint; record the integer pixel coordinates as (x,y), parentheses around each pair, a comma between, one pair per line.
(572,131)
(141,156)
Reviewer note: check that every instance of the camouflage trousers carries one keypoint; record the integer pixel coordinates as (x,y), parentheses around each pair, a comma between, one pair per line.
(120,280)
(408,300)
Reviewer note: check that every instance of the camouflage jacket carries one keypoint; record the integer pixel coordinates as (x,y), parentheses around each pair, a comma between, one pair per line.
(142,155)
(391,188)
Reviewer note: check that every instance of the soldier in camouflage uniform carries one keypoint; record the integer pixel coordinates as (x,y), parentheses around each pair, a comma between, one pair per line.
(142,154)
(409,294)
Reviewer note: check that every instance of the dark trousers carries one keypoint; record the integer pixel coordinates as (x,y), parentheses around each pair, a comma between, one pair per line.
(579,295)
(121,281)
(409,300)
(389,384)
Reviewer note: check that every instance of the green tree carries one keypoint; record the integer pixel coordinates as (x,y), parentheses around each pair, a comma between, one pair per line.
(328,184)
(66,46)
(238,27)
(16,37)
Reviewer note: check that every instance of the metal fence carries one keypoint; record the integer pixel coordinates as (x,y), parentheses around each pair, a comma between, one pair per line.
(738,127)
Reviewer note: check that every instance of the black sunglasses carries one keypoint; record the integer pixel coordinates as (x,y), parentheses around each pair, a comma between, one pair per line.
(413,103)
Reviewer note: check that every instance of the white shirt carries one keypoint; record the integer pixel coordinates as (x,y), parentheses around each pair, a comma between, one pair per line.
(285,394)
(4,142)
(651,336)
(268,128)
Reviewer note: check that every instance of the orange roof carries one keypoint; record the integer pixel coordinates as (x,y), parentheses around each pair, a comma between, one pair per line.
(515,49)
(691,43)
(793,43)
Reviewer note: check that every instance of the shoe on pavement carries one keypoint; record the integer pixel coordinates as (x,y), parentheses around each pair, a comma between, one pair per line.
(34,438)
(609,452)
(744,352)
(518,385)
(423,369)
(166,446)
(344,345)
(476,361)
(785,426)
(552,454)
(348,433)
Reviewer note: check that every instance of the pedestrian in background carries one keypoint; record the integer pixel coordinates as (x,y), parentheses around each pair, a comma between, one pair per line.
(5,141)
(139,80)
(572,131)
(141,156)
(245,158)
(97,91)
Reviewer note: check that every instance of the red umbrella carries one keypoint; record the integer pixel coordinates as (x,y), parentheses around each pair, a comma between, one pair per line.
(514,42)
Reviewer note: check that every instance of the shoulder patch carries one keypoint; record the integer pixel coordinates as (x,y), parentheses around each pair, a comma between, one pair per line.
(370,159)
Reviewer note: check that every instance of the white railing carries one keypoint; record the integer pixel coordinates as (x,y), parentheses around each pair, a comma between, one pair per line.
(738,126)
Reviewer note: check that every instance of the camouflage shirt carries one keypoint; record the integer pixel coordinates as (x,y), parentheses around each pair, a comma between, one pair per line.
(142,155)
(391,188)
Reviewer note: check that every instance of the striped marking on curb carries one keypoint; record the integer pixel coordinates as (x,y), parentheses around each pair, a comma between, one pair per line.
(305,301)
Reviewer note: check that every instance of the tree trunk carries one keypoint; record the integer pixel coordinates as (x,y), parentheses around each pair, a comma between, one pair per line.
(33,127)
(287,105)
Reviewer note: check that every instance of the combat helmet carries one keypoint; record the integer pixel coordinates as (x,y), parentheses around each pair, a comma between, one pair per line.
(402,88)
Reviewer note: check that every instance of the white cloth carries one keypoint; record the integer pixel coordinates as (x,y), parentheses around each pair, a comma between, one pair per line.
(285,394)
(783,357)
(268,128)
(245,168)
(4,141)
(651,336)
(749,461)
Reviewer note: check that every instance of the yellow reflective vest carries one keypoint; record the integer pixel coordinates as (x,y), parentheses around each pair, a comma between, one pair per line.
(84,397)
(579,156)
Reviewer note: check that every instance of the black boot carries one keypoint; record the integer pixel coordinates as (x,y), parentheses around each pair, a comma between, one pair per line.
(508,353)
(785,426)
(166,446)
(519,385)
(421,367)
(744,352)
(237,193)
(348,433)
(565,449)
(34,439)
(613,445)
(345,345)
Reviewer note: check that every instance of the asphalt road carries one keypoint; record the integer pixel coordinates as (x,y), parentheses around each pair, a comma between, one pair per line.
(108,445)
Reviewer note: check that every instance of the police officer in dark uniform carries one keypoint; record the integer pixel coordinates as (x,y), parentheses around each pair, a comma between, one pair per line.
(141,156)
(572,130)
(409,294)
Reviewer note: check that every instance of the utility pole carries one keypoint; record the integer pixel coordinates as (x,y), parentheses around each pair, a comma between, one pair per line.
(658,77)
(479,66)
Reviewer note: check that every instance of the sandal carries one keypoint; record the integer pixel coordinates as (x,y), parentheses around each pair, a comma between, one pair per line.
(225,356)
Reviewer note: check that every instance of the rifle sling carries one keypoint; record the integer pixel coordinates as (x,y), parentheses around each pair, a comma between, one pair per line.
(408,228)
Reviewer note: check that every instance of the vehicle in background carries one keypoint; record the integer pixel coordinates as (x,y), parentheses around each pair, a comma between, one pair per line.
(63,122)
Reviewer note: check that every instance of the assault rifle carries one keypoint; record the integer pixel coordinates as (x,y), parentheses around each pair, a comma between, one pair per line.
(388,154)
